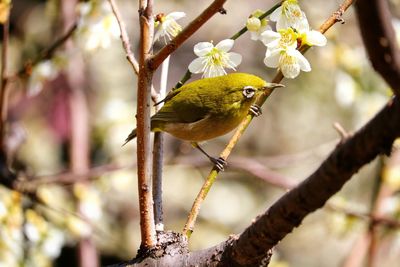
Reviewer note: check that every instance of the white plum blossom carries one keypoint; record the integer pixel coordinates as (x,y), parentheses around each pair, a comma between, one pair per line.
(257,26)
(166,25)
(97,26)
(282,53)
(289,61)
(282,48)
(41,73)
(289,15)
(281,40)
(212,60)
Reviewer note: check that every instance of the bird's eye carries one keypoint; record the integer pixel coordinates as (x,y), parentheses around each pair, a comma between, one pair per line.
(249,91)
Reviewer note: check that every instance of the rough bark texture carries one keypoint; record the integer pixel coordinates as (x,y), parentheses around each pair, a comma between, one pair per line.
(380,39)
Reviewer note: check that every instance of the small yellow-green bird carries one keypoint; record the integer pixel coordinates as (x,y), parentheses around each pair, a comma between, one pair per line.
(208,108)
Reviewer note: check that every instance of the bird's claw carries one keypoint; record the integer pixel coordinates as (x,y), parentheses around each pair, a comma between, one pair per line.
(256,110)
(219,163)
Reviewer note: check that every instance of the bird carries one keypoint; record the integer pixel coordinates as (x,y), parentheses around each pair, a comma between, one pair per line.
(208,108)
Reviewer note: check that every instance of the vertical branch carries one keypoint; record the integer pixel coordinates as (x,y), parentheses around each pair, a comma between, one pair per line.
(158,153)
(4,88)
(79,135)
(147,227)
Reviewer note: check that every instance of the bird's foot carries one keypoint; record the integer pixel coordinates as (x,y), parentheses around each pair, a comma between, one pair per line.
(219,163)
(256,110)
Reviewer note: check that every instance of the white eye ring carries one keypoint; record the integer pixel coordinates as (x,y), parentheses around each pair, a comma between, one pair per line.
(249,91)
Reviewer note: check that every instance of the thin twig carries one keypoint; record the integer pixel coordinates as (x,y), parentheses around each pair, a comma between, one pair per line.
(124,37)
(189,226)
(342,132)
(126,44)
(48,52)
(147,226)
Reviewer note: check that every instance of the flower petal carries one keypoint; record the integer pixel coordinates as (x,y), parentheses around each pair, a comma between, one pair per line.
(234,59)
(290,71)
(225,45)
(315,38)
(302,61)
(270,38)
(202,48)
(276,14)
(175,15)
(196,66)
(272,58)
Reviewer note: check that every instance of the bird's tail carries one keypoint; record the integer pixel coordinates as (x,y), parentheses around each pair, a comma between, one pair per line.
(131,136)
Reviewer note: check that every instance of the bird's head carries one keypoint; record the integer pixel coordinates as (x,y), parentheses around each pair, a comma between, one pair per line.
(245,88)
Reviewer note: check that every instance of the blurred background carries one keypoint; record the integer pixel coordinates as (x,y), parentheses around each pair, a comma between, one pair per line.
(70,113)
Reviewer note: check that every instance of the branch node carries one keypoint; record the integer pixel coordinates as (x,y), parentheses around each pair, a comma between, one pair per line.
(222,11)
(338,16)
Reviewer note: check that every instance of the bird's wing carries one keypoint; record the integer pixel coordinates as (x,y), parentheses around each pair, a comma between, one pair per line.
(183,107)
(179,114)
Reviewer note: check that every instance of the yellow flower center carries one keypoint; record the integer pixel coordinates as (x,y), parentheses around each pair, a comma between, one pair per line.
(216,57)
(288,37)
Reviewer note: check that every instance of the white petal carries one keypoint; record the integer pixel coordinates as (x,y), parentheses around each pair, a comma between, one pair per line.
(225,45)
(196,66)
(303,62)
(175,15)
(282,23)
(302,24)
(202,48)
(276,14)
(214,72)
(290,71)
(270,38)
(234,59)
(158,34)
(315,38)
(272,58)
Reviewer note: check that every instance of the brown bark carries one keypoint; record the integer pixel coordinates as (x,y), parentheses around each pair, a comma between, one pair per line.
(380,39)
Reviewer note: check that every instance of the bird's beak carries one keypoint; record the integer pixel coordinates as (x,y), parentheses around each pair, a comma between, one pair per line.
(273,86)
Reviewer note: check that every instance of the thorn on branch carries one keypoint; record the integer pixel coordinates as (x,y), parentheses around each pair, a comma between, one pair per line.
(342,132)
(222,11)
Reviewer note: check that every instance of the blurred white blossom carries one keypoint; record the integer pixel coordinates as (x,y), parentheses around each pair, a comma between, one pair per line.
(78,227)
(43,72)
(212,61)
(166,25)
(97,26)
(89,201)
(53,243)
(345,89)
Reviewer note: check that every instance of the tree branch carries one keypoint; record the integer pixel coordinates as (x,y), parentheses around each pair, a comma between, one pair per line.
(147,227)
(288,212)
(380,40)
(4,90)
